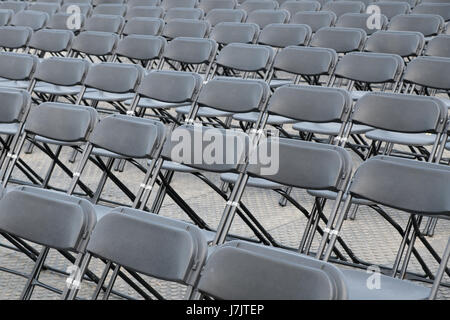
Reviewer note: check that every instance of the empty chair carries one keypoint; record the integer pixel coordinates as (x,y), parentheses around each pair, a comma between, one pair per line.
(216,16)
(341,7)
(34,19)
(265,17)
(186,28)
(392,8)
(184,13)
(53,41)
(299,6)
(144,26)
(252,5)
(282,35)
(104,23)
(442,9)
(342,40)
(94,44)
(84,8)
(16,69)
(404,43)
(5,16)
(14,37)
(49,8)
(315,20)
(169,4)
(208,5)
(144,12)
(110,9)
(60,21)
(439,46)
(65,223)
(359,20)
(141,48)
(230,32)
(15,6)
(427,24)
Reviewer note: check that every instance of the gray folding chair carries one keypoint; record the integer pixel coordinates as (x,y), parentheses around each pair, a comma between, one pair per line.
(104,23)
(442,9)
(15,6)
(94,44)
(5,16)
(186,28)
(280,35)
(49,8)
(34,19)
(341,7)
(252,5)
(315,20)
(392,8)
(59,21)
(180,248)
(427,24)
(234,32)
(406,44)
(85,8)
(140,49)
(55,42)
(16,69)
(439,46)
(110,9)
(14,38)
(169,4)
(184,13)
(216,16)
(208,5)
(359,20)
(265,17)
(342,40)
(144,12)
(50,219)
(299,6)
(144,26)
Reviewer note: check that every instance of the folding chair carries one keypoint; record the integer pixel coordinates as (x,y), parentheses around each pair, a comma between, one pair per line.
(110,9)
(59,21)
(34,19)
(16,69)
(15,6)
(5,16)
(186,28)
(208,5)
(315,20)
(427,24)
(234,32)
(179,247)
(14,38)
(143,26)
(104,23)
(64,223)
(265,17)
(216,16)
(49,8)
(252,5)
(144,12)
(85,8)
(442,9)
(55,42)
(392,8)
(342,40)
(112,83)
(404,43)
(140,49)
(299,6)
(169,4)
(359,20)
(341,7)
(184,13)
(280,35)
(90,44)
(439,46)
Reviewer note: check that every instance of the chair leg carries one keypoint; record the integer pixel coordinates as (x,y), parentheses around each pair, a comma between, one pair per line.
(29,287)
(283,201)
(440,272)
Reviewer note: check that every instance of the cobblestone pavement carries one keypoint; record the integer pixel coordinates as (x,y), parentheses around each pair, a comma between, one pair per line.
(369,236)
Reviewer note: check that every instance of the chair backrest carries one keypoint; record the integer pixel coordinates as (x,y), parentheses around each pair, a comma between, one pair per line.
(427,24)
(17,66)
(442,9)
(231,32)
(311,103)
(315,20)
(193,51)
(429,72)
(216,16)
(15,37)
(13,105)
(144,12)
(439,46)
(15,6)
(186,28)
(302,164)
(49,8)
(392,8)
(342,40)
(342,7)
(85,9)
(359,20)
(5,16)
(141,47)
(48,40)
(184,13)
(282,35)
(238,270)
(60,21)
(104,23)
(265,17)
(95,43)
(134,3)
(62,71)
(409,185)
(401,112)
(100,2)
(144,26)
(61,121)
(208,5)
(306,61)
(180,247)
(170,86)
(168,4)
(128,136)
(245,57)
(47,217)
(252,5)
(110,9)
(50,1)
(403,43)
(34,19)
(299,6)
(114,77)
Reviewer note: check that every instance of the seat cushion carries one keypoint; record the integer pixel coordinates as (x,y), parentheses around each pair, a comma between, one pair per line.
(410,139)
(49,88)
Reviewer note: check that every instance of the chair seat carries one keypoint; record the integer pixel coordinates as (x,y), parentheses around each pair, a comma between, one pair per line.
(253,117)
(107,96)
(105,153)
(48,88)
(58,142)
(9,128)
(275,83)
(446,101)
(331,195)
(252,182)
(389,289)
(155,104)
(410,139)
(13,84)
(356,95)
(178,167)
(329,128)
(447,146)
(204,112)
(101,210)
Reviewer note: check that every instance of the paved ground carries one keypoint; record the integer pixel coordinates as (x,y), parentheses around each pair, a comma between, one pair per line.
(369,236)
